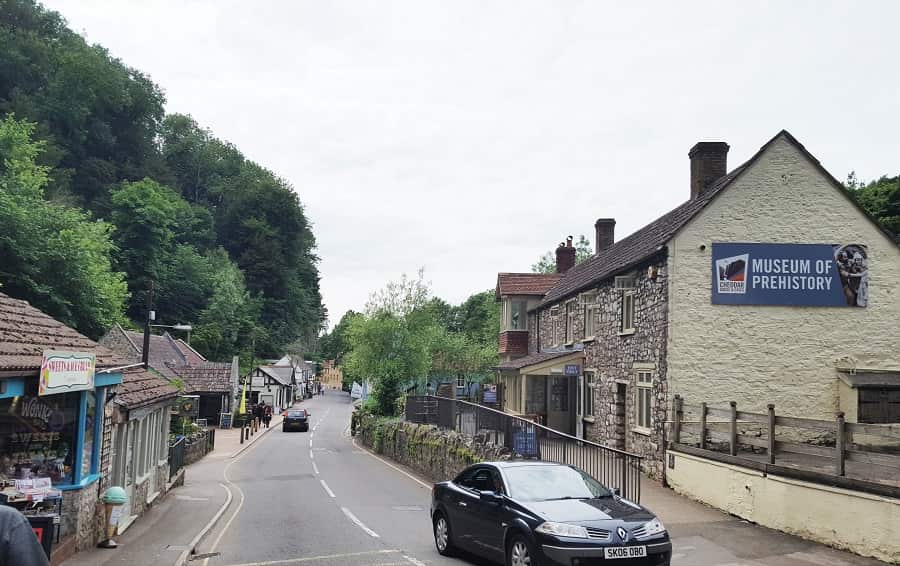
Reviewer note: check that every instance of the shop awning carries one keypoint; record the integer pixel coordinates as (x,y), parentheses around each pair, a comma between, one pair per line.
(542,361)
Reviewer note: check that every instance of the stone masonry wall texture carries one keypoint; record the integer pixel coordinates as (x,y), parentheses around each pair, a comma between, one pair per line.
(788,356)
(614,358)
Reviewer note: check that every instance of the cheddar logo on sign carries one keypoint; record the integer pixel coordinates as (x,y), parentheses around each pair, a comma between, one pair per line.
(731,274)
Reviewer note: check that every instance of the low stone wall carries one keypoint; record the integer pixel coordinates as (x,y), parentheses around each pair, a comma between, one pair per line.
(850,520)
(436,454)
(196,447)
(82,516)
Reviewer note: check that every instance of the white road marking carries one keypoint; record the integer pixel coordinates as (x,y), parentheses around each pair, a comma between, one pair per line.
(315,468)
(359,523)
(315,558)
(310,442)
(413,561)
(327,489)
(311,457)
(388,464)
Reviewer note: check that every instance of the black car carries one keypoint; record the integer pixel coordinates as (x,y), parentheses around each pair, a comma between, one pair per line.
(541,513)
(295,419)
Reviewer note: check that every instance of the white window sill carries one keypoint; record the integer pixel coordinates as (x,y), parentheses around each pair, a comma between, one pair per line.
(588,339)
(152,497)
(641,430)
(589,420)
(628,332)
(140,481)
(569,344)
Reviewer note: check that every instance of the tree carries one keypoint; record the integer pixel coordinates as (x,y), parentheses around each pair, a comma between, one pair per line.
(547,262)
(53,255)
(336,343)
(880,198)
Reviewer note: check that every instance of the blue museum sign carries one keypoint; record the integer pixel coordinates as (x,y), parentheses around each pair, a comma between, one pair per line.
(818,275)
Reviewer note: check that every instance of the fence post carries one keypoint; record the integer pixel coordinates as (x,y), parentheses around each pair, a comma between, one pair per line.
(733,436)
(771,434)
(839,444)
(703,411)
(677,408)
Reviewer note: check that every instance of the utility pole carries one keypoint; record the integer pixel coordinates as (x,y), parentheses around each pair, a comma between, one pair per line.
(151,316)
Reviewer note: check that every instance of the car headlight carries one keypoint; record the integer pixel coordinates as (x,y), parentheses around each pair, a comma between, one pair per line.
(653,527)
(562,530)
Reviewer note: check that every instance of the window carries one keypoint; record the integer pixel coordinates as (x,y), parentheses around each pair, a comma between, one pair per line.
(627,322)
(879,406)
(554,327)
(570,322)
(643,400)
(588,394)
(590,312)
(479,480)
(517,316)
(460,381)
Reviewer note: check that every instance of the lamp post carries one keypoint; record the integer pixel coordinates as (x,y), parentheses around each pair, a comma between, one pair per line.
(182,327)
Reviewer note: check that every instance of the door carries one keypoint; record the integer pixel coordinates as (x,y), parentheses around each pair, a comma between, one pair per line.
(621,394)
(559,409)
(488,519)
(129,438)
(462,506)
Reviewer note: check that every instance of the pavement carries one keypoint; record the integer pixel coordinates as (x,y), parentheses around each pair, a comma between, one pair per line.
(164,534)
(318,499)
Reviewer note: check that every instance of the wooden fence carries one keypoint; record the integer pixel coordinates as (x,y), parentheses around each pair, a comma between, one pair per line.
(867,452)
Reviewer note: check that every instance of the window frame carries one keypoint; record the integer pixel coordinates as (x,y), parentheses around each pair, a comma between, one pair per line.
(589,312)
(571,308)
(627,313)
(643,388)
(460,378)
(587,395)
(554,326)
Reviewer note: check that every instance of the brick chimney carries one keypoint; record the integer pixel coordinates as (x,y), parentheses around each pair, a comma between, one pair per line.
(709,162)
(605,232)
(565,256)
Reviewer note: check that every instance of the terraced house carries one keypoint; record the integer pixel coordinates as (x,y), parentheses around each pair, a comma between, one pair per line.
(768,285)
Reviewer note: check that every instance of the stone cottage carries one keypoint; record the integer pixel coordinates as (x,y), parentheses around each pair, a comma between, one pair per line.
(768,285)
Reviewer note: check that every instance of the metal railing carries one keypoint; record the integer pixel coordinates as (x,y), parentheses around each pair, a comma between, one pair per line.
(176,457)
(612,467)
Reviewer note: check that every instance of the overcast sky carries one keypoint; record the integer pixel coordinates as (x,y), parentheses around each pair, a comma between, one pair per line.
(470,137)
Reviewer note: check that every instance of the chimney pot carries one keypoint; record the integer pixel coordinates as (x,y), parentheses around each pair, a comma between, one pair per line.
(709,162)
(565,256)
(605,233)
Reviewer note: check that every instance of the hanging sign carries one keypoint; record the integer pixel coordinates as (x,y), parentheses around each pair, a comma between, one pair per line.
(815,275)
(62,372)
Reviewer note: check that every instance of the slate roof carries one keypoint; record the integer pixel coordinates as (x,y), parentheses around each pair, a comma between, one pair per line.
(206,377)
(165,352)
(532,359)
(526,283)
(25,332)
(140,388)
(282,374)
(651,239)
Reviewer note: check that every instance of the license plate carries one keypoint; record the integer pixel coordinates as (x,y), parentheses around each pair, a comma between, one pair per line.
(613,552)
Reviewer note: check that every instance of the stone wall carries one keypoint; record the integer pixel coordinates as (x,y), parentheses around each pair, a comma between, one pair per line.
(614,357)
(196,447)
(82,516)
(436,454)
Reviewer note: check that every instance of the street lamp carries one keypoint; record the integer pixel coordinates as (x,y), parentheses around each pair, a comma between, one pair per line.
(183,327)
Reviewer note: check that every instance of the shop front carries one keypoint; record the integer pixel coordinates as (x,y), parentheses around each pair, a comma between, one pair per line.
(51,431)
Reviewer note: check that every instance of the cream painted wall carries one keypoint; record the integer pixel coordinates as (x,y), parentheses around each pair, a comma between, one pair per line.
(859,522)
(782,355)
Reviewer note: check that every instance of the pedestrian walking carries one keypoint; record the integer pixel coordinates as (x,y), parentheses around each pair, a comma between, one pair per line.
(267,415)
(18,544)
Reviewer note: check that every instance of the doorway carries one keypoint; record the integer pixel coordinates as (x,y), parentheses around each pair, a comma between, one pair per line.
(619,432)
(560,415)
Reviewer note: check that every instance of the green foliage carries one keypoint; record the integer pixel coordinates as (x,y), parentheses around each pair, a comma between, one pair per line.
(176,195)
(53,255)
(334,344)
(547,262)
(880,198)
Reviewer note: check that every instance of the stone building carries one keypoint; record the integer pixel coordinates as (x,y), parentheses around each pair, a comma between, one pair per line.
(768,285)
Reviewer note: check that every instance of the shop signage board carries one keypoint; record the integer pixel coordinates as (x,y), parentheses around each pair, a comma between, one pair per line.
(573,370)
(812,275)
(62,372)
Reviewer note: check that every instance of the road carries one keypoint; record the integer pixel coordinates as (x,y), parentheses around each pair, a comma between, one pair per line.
(315,499)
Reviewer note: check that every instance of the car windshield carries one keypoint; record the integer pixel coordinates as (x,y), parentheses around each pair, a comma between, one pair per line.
(296,413)
(544,483)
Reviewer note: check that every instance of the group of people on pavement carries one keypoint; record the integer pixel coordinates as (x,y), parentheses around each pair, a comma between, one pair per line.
(262,412)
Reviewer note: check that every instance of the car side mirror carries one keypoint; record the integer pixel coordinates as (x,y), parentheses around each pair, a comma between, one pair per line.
(491,497)
(617,492)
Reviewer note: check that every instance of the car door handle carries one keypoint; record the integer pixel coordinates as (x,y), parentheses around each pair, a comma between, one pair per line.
(463,504)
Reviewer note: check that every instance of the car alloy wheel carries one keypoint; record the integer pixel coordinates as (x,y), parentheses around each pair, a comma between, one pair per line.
(519,554)
(442,535)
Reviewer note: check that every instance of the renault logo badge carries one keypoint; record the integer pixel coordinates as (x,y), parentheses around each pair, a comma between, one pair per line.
(623,534)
